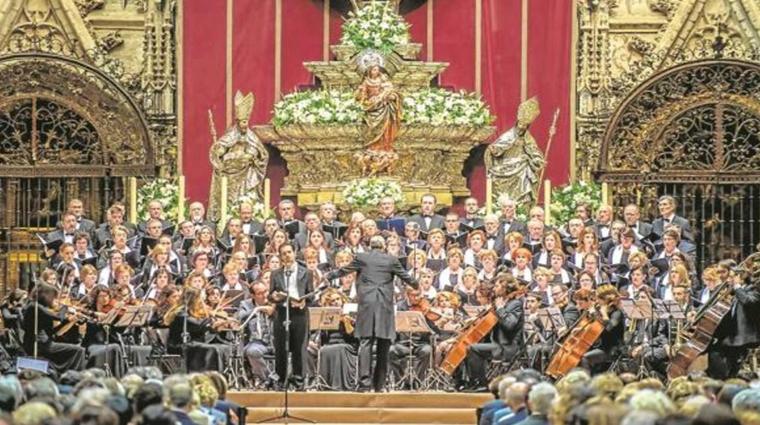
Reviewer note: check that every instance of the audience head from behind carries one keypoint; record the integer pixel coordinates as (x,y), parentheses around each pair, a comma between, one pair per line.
(540,398)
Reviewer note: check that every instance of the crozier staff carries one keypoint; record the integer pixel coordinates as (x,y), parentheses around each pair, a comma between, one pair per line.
(375,318)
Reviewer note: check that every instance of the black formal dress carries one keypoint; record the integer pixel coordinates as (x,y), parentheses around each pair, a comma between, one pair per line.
(300,282)
(375,321)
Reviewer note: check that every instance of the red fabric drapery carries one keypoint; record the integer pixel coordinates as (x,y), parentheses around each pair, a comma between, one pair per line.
(454,40)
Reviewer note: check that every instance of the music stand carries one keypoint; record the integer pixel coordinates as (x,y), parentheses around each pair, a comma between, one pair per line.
(552,321)
(323,319)
(410,323)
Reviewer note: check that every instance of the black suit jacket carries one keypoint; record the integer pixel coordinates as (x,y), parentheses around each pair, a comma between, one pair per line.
(514,226)
(509,330)
(304,281)
(740,327)
(374,292)
(658,227)
(436,222)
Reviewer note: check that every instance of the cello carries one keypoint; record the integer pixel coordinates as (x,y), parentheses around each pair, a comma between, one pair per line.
(472,334)
(579,340)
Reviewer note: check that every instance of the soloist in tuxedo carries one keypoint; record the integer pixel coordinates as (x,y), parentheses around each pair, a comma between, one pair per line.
(297,281)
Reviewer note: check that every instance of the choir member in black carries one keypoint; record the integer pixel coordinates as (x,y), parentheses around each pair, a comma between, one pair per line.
(294,280)
(449,277)
(488,259)
(12,309)
(551,241)
(426,280)
(471,217)
(100,339)
(508,221)
(522,258)
(352,240)
(258,312)
(561,276)
(467,287)
(88,278)
(198,323)
(436,253)
(739,330)
(339,348)
(506,338)
(39,328)
(610,343)
(200,263)
(418,344)
(639,283)
(412,239)
(428,219)
(667,208)
(475,245)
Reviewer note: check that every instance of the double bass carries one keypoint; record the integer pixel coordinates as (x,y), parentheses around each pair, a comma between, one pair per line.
(701,331)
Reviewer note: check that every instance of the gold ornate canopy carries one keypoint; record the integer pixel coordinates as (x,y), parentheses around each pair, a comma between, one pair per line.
(322,159)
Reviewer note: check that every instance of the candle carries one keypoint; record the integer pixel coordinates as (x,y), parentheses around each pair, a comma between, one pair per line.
(267,193)
(223,203)
(605,194)
(181,199)
(489,195)
(547,201)
(133,199)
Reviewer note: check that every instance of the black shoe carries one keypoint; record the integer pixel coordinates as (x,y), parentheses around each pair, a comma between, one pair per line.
(363,389)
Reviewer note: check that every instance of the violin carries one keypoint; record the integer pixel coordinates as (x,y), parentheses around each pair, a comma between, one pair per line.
(424,306)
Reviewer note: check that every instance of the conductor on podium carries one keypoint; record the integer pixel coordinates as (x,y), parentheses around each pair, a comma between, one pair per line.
(375,321)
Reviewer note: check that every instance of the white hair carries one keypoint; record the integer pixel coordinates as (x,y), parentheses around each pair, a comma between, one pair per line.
(377,242)
(540,398)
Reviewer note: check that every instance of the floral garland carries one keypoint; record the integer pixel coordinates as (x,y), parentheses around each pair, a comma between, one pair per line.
(165,191)
(443,107)
(364,193)
(566,198)
(260,211)
(375,26)
(433,106)
(317,107)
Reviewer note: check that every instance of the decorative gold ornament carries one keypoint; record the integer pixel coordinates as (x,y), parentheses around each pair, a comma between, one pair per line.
(528,111)
(243,106)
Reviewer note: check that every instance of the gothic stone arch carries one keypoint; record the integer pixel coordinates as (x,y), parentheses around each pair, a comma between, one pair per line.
(60,116)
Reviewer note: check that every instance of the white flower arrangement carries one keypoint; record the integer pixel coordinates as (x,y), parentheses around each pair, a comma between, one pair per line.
(321,107)
(441,107)
(363,193)
(165,191)
(375,26)
(437,107)
(260,211)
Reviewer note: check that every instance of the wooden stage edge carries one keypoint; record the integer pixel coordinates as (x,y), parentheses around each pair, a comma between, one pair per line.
(355,408)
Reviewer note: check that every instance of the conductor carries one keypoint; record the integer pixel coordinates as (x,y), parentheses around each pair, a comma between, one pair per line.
(375,321)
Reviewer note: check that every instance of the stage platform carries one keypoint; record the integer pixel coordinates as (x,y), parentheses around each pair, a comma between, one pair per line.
(365,408)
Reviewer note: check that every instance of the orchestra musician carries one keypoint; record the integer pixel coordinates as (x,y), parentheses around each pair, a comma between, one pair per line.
(100,339)
(739,330)
(418,346)
(506,338)
(339,348)
(39,330)
(258,312)
(610,343)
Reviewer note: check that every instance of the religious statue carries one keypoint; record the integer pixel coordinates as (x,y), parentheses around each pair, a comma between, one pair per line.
(382,114)
(238,155)
(513,161)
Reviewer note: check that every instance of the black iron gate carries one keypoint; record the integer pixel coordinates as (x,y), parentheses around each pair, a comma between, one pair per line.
(723,216)
(34,205)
